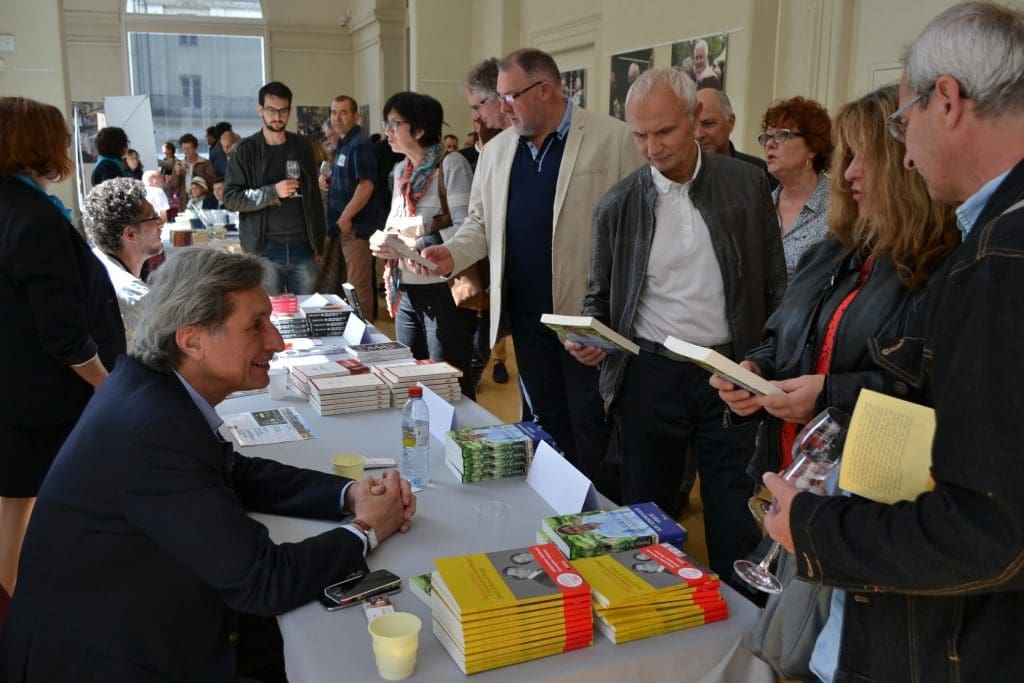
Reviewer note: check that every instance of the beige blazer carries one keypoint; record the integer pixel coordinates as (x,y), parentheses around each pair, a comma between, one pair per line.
(599,151)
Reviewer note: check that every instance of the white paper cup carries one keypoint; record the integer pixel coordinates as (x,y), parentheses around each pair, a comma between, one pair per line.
(492,524)
(396,637)
(349,465)
(278,383)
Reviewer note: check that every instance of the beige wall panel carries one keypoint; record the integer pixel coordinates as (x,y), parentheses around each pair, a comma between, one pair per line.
(441,56)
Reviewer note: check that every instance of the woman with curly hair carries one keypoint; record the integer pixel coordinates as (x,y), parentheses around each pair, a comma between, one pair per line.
(797,147)
(62,329)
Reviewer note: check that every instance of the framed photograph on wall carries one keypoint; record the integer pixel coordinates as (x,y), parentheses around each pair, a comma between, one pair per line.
(574,86)
(626,67)
(703,60)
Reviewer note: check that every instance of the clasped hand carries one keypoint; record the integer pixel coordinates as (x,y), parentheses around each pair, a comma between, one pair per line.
(588,355)
(386,504)
(796,406)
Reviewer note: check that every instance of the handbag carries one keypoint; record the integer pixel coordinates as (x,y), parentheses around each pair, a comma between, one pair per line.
(790,623)
(469,286)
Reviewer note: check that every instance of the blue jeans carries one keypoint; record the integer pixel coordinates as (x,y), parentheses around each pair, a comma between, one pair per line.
(429,323)
(295,268)
(562,394)
(664,406)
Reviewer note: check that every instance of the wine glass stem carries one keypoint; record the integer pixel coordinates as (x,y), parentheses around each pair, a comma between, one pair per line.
(764,564)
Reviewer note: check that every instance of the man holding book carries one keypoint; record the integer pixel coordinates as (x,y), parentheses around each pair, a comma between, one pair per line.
(714,214)
(937,582)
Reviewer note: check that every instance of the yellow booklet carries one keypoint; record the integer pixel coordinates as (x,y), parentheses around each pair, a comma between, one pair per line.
(888,450)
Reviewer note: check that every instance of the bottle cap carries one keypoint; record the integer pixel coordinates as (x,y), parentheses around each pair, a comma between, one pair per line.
(415,392)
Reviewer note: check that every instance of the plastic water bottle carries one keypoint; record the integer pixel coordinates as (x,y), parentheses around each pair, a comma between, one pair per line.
(416,439)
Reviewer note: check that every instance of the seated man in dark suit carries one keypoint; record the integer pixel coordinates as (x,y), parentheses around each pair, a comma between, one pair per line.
(140,553)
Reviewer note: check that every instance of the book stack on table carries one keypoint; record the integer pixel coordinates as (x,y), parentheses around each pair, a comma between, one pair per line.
(649,591)
(495,609)
(300,375)
(440,377)
(348,394)
(379,351)
(483,453)
(599,532)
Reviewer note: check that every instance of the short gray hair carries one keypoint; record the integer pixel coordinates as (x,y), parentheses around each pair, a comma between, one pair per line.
(482,79)
(110,207)
(191,288)
(981,45)
(723,102)
(536,64)
(681,84)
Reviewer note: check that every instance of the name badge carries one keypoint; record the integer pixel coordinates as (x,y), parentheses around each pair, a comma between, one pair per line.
(340,160)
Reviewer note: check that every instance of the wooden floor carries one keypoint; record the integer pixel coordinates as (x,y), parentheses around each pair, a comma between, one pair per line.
(505,402)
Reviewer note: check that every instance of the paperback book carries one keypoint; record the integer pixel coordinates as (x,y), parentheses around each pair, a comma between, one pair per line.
(589,331)
(599,532)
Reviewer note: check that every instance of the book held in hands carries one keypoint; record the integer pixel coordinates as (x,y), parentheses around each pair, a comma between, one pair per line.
(712,361)
(589,331)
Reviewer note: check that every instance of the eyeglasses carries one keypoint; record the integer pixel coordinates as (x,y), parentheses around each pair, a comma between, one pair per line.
(142,221)
(489,98)
(273,111)
(510,98)
(895,124)
(391,126)
(778,136)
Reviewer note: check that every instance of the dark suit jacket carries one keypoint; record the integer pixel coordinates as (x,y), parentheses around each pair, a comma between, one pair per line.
(140,549)
(59,309)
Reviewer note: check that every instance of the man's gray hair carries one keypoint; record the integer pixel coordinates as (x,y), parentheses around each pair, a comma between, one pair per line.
(191,288)
(723,102)
(482,79)
(681,84)
(536,64)
(981,45)
(110,207)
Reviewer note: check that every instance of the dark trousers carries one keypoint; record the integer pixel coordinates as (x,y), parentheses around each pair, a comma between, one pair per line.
(562,393)
(429,323)
(665,406)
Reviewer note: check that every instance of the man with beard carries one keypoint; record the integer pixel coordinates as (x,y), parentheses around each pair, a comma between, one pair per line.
(280,218)
(529,211)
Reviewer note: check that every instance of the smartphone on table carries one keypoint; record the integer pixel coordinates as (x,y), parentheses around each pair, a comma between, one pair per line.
(355,589)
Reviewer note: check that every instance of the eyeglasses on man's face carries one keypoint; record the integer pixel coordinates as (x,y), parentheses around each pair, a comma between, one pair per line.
(489,98)
(153,219)
(391,126)
(511,97)
(274,112)
(778,136)
(896,124)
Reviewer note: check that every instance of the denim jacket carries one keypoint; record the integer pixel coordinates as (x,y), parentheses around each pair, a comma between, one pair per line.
(732,197)
(245,192)
(936,585)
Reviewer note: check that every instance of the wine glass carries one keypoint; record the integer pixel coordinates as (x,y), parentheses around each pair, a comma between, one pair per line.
(325,169)
(816,453)
(293,170)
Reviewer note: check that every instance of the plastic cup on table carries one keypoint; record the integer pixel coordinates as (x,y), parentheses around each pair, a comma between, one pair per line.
(278,383)
(349,465)
(396,637)
(492,524)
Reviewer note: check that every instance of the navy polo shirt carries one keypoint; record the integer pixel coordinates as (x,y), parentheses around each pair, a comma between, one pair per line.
(354,160)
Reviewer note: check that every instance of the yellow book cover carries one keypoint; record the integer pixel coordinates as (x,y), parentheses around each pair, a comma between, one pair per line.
(478,664)
(625,635)
(888,451)
(640,575)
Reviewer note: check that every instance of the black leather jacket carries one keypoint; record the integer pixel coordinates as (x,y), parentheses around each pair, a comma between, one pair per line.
(245,192)
(793,334)
(936,585)
(732,197)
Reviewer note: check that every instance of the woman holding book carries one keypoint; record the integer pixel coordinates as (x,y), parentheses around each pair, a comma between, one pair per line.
(62,329)
(864,280)
(435,186)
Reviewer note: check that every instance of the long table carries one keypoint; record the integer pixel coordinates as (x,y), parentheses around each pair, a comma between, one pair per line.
(335,646)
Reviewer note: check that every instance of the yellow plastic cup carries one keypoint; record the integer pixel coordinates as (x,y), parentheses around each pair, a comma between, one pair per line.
(396,637)
(349,465)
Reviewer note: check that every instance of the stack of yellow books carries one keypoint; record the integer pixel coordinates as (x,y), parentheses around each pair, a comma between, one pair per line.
(495,609)
(650,591)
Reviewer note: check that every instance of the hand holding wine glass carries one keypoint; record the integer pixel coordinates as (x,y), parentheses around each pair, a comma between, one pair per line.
(325,174)
(294,171)
(816,453)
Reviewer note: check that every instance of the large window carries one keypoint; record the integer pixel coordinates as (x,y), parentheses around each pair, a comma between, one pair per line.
(194,81)
(249,9)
